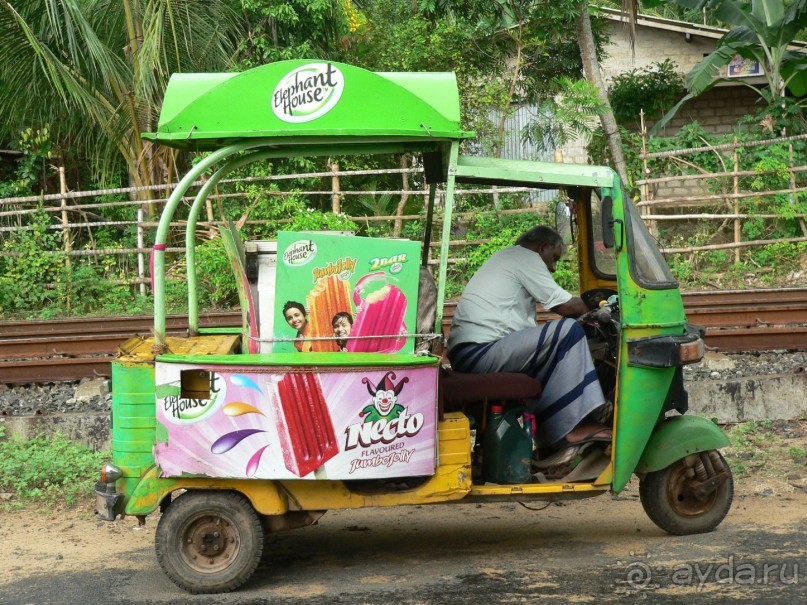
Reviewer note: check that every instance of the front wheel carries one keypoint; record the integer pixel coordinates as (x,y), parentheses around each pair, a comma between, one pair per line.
(672,500)
(209,541)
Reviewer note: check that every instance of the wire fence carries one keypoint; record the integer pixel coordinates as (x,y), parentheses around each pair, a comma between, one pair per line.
(82,215)
(689,194)
(732,195)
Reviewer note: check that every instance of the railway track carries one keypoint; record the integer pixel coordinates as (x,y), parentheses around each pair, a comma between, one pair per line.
(70,349)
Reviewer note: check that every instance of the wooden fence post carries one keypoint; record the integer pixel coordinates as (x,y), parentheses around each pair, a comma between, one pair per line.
(793,188)
(737,225)
(336,196)
(141,259)
(68,245)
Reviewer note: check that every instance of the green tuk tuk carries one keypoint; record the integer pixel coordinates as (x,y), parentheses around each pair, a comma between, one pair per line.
(234,434)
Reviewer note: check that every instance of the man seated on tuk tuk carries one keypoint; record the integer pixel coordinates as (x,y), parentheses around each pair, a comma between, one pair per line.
(494,330)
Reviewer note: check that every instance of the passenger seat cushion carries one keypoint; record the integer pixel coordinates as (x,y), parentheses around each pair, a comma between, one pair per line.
(458,389)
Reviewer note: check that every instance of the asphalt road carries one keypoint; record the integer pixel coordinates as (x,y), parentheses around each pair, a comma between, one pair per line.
(603,550)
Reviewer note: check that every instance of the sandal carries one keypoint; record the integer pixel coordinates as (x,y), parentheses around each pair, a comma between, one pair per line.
(587,433)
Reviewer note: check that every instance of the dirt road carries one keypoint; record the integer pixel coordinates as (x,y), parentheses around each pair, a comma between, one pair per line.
(603,550)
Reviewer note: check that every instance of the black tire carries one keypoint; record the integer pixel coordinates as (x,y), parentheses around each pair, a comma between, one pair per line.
(209,541)
(669,502)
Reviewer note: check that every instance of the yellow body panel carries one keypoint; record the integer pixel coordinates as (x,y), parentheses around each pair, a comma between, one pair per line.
(450,483)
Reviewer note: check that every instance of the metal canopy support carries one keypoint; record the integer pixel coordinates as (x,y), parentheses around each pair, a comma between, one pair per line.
(160,239)
(427,236)
(446,233)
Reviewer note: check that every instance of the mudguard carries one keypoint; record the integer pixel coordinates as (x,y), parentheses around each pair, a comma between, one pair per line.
(150,491)
(678,437)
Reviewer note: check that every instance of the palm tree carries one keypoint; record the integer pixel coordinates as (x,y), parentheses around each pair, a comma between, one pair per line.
(97,69)
(591,68)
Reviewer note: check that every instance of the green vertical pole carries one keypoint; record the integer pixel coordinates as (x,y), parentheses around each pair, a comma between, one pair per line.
(446,235)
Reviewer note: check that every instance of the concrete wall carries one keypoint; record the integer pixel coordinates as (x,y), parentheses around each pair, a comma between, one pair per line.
(776,397)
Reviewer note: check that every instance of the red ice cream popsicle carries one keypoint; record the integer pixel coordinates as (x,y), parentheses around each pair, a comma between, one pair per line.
(381,314)
(307,436)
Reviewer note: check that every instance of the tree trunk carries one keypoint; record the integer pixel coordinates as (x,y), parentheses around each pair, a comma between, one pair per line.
(591,68)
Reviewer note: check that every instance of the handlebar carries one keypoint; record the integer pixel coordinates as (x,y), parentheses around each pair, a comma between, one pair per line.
(603,314)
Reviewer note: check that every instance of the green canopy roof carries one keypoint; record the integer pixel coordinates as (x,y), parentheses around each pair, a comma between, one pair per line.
(308,102)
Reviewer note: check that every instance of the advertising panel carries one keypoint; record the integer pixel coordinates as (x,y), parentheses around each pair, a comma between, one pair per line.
(345,293)
(295,423)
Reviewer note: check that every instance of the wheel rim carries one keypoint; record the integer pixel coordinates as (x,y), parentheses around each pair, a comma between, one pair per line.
(210,543)
(680,495)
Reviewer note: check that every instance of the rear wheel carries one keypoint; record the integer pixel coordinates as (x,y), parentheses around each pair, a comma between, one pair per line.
(209,541)
(670,498)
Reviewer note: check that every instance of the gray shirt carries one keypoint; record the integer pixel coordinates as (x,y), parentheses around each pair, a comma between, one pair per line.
(500,298)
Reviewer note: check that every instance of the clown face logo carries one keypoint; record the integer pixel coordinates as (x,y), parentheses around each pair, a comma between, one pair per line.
(385,419)
(385,398)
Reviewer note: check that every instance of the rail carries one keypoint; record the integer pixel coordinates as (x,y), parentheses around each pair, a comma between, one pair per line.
(71,349)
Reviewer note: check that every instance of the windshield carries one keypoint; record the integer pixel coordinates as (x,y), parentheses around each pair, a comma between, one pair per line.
(603,258)
(647,264)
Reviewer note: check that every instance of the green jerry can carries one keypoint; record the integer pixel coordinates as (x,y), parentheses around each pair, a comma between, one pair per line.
(506,447)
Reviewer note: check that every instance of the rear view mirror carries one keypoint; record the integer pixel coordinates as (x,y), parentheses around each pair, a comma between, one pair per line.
(607,221)
(564,223)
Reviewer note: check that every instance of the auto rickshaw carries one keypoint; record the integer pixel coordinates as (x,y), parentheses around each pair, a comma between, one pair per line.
(235,434)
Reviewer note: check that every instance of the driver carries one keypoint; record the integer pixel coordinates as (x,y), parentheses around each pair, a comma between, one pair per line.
(494,330)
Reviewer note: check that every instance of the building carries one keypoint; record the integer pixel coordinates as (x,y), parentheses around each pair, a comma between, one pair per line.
(657,39)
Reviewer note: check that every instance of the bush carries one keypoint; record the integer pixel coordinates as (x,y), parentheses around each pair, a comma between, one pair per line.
(653,89)
(48,469)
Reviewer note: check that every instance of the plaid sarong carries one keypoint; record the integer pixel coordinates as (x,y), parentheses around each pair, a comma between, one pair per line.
(556,354)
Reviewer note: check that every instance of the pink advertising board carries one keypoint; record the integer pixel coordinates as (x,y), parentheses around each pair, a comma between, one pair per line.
(297,423)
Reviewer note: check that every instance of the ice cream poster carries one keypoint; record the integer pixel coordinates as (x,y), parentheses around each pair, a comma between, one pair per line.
(268,423)
(360,292)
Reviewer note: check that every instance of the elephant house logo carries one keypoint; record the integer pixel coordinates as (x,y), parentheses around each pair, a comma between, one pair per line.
(300,253)
(308,92)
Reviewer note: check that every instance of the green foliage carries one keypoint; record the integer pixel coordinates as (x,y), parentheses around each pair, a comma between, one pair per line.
(761,30)
(293,29)
(314,220)
(565,118)
(96,71)
(757,447)
(653,89)
(47,469)
(36,148)
(479,41)
(25,273)
(217,286)
(37,281)
(31,169)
